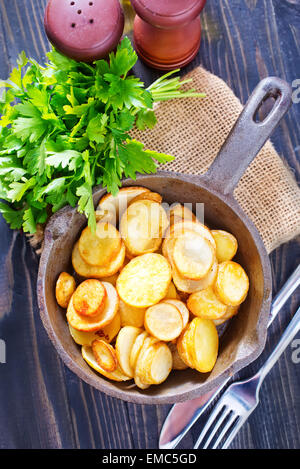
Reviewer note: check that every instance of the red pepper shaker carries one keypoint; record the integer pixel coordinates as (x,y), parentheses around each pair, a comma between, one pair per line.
(85,30)
(167,33)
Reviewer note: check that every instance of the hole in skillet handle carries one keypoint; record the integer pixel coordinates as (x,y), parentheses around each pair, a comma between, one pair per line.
(264,109)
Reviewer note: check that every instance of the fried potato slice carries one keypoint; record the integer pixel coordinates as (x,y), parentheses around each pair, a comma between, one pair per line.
(110,279)
(139,383)
(191,286)
(124,344)
(136,348)
(140,364)
(187,285)
(105,355)
(65,287)
(226,245)
(179,228)
(205,304)
(157,363)
(88,356)
(171,293)
(89,271)
(153,196)
(144,281)
(99,248)
(182,308)
(193,255)
(177,362)
(94,323)
(198,345)
(205,346)
(89,297)
(164,321)
(111,208)
(230,312)
(131,316)
(142,227)
(232,283)
(184,348)
(179,213)
(107,333)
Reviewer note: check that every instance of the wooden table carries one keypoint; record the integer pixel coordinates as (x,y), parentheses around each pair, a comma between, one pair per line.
(42,403)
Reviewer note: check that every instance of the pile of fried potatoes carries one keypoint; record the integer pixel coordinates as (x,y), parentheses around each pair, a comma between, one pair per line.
(151,292)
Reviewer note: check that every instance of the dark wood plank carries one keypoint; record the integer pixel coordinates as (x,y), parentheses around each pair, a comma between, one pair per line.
(43,404)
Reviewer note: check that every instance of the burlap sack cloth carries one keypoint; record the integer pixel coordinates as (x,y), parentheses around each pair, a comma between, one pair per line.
(194,129)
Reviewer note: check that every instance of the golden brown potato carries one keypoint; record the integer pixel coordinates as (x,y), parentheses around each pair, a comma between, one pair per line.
(230,312)
(89,297)
(198,345)
(179,228)
(94,323)
(116,375)
(226,245)
(136,348)
(139,383)
(157,363)
(139,359)
(91,271)
(131,316)
(193,255)
(169,274)
(205,345)
(99,248)
(110,279)
(181,213)
(171,293)
(191,286)
(65,287)
(153,196)
(182,308)
(177,362)
(107,333)
(144,281)
(183,284)
(232,283)
(184,342)
(164,321)
(111,208)
(124,344)
(105,355)
(154,363)
(142,227)
(205,304)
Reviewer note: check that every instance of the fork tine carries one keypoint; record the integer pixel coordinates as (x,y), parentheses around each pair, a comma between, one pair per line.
(234,431)
(229,423)
(218,425)
(219,409)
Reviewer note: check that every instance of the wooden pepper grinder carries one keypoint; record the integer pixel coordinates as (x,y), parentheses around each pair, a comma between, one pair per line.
(85,30)
(167,33)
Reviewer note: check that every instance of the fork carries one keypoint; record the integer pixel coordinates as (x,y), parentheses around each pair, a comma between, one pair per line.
(241,398)
(184,415)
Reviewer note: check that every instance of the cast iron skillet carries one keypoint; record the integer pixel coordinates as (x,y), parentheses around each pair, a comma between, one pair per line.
(245,338)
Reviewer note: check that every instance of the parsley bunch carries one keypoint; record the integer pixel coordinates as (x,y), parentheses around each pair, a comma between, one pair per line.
(65,128)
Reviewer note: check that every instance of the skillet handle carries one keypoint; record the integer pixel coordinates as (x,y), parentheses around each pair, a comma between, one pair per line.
(248,136)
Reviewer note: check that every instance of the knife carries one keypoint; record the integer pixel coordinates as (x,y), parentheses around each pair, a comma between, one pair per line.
(183,415)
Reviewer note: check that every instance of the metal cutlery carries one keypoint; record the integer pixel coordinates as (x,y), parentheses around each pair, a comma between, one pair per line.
(241,398)
(184,415)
